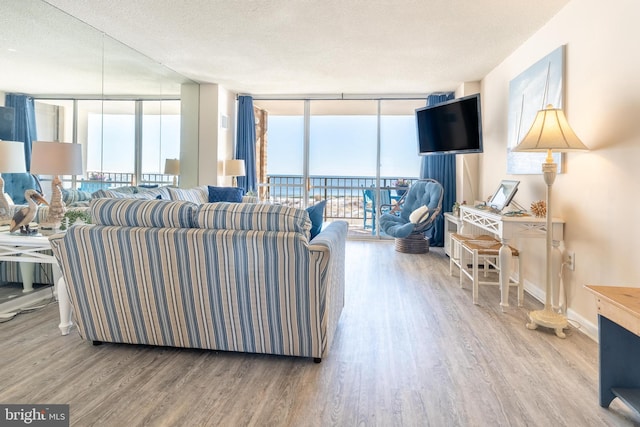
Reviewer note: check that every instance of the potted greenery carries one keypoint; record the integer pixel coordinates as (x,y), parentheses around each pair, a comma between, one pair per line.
(401,186)
(73,216)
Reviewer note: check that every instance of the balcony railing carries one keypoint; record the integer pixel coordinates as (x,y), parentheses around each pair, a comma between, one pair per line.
(106,180)
(344,195)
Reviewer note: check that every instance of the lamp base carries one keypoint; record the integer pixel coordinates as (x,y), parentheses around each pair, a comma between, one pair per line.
(48,229)
(548,319)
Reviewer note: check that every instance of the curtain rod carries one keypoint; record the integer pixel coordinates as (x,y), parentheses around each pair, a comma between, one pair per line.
(339,97)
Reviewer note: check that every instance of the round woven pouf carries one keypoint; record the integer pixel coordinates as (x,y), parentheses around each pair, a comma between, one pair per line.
(414,244)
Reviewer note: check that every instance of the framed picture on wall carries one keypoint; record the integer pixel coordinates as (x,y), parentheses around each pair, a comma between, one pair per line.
(537,86)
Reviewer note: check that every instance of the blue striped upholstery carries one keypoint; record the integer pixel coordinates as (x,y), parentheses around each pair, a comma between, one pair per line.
(70,197)
(141,213)
(226,289)
(146,194)
(197,195)
(252,216)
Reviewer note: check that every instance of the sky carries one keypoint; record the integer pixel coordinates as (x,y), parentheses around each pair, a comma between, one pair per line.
(160,141)
(343,146)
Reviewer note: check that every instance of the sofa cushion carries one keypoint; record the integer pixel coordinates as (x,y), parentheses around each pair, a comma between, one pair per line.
(153,193)
(225,194)
(251,216)
(145,194)
(142,213)
(73,196)
(316,215)
(197,195)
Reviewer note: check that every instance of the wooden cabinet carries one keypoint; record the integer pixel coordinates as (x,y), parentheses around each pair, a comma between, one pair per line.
(619,340)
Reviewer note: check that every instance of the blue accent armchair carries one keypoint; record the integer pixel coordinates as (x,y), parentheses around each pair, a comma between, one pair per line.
(15,184)
(407,229)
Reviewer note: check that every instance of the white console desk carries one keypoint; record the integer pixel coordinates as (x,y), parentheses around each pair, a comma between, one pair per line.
(506,228)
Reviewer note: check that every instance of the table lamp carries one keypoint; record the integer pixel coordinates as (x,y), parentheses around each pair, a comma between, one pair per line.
(11,161)
(172,167)
(234,168)
(550,132)
(56,158)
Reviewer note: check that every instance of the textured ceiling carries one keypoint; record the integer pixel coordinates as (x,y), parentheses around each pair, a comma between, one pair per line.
(320,46)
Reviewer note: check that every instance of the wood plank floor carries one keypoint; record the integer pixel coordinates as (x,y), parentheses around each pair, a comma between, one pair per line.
(411,350)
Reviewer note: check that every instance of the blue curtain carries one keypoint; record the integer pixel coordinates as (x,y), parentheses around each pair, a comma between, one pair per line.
(246,143)
(442,168)
(25,121)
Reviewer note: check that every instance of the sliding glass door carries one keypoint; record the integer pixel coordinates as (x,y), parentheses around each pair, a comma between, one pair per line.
(351,153)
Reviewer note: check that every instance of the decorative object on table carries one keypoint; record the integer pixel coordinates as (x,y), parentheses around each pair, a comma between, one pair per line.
(172,167)
(530,91)
(455,209)
(550,131)
(401,186)
(11,161)
(234,168)
(539,208)
(22,219)
(55,159)
(73,217)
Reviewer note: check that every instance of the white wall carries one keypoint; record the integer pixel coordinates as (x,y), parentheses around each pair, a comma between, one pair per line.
(205,143)
(597,195)
(467,165)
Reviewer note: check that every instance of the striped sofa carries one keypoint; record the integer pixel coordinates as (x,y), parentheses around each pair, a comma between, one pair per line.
(224,276)
(80,200)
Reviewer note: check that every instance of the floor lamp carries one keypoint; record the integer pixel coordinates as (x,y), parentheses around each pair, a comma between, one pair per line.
(11,161)
(55,159)
(550,132)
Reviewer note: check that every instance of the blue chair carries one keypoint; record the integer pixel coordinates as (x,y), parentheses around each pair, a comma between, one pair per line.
(369,206)
(424,201)
(15,184)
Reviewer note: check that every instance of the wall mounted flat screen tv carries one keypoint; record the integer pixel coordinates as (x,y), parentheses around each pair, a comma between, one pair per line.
(450,127)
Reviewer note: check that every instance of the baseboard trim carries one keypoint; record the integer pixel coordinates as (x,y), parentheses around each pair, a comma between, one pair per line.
(26,300)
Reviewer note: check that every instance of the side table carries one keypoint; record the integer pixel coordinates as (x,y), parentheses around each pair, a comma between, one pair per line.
(27,251)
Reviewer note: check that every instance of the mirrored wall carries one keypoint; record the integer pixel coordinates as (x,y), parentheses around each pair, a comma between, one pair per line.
(92,90)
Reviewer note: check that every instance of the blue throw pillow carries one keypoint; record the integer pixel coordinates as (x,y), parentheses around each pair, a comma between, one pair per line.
(316,215)
(225,194)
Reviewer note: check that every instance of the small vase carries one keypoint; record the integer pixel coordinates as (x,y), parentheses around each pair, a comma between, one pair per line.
(400,192)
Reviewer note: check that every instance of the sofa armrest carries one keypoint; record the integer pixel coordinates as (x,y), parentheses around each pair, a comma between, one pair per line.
(328,251)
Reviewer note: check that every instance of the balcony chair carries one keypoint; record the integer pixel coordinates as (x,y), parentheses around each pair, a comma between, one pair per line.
(418,209)
(369,206)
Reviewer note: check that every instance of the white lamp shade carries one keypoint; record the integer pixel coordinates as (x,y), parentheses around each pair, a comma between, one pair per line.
(12,157)
(56,158)
(234,167)
(172,167)
(550,131)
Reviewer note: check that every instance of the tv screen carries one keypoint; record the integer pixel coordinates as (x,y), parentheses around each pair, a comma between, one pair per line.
(450,127)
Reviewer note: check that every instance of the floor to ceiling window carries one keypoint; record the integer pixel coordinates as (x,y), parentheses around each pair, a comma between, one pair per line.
(340,151)
(124,141)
